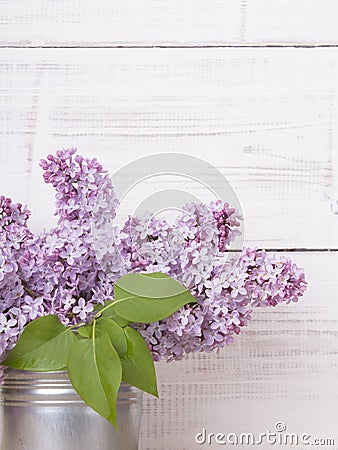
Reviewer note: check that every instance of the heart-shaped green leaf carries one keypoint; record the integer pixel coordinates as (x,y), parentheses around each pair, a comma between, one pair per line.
(150,297)
(115,333)
(43,346)
(138,368)
(95,372)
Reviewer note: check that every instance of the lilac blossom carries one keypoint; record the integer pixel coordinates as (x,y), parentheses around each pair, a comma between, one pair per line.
(69,269)
(82,309)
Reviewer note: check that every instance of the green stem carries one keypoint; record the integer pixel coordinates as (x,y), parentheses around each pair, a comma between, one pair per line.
(77,325)
(110,306)
(33,294)
(94,329)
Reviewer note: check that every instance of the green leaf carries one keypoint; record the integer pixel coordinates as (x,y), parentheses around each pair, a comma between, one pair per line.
(43,346)
(86,331)
(115,333)
(112,314)
(138,368)
(152,285)
(150,297)
(95,372)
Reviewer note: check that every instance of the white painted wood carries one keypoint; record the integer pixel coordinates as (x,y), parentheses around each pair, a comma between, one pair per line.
(332,190)
(267,118)
(282,367)
(118,22)
(291,22)
(159,22)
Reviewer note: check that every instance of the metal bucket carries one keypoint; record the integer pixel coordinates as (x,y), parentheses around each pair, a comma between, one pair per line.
(41,411)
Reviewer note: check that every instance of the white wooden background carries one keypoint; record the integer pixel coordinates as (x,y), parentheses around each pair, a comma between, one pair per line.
(252,87)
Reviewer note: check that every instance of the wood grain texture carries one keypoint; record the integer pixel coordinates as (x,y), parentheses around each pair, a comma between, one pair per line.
(110,23)
(118,22)
(283,367)
(267,118)
(291,22)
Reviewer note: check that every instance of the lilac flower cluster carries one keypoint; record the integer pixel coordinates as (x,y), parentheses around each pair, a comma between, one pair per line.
(56,271)
(225,302)
(64,271)
(185,250)
(226,221)
(14,234)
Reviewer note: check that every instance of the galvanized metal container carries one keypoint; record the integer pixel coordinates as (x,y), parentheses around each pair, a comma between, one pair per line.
(41,411)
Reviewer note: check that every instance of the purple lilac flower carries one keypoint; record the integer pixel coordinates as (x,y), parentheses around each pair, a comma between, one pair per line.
(225,304)
(82,309)
(227,220)
(70,268)
(53,271)
(7,326)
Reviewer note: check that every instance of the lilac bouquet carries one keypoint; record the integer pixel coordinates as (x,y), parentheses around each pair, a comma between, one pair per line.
(61,272)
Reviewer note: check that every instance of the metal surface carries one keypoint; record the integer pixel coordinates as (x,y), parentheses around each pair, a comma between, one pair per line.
(41,411)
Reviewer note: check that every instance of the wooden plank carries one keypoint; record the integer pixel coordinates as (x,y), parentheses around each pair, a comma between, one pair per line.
(286,22)
(118,22)
(283,367)
(159,22)
(265,117)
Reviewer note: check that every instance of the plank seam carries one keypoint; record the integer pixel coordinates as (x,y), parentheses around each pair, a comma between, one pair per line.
(157,46)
